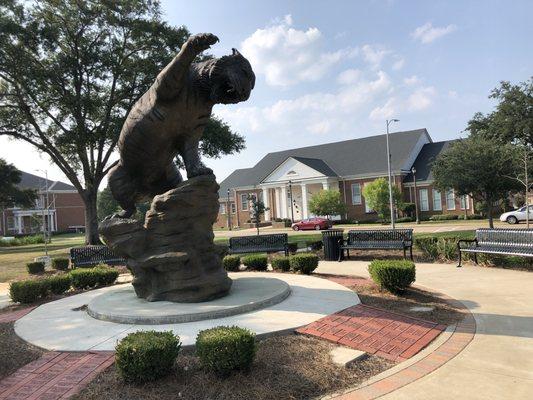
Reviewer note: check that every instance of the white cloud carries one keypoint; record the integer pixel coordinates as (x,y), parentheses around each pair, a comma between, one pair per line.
(349,76)
(427,33)
(398,64)
(374,54)
(412,80)
(421,98)
(286,56)
(386,111)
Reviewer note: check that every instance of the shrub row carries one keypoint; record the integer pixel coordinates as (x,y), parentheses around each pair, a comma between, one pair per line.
(36,267)
(21,241)
(231,262)
(257,262)
(393,275)
(305,263)
(31,290)
(438,248)
(147,356)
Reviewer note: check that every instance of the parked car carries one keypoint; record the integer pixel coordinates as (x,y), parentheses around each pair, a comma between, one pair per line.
(514,217)
(312,223)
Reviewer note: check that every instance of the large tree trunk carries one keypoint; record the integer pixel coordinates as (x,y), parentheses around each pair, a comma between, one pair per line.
(91,219)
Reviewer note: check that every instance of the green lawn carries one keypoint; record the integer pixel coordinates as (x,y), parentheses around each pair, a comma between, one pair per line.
(13,259)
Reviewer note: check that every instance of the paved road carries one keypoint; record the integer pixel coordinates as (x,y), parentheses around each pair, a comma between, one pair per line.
(427,227)
(498,363)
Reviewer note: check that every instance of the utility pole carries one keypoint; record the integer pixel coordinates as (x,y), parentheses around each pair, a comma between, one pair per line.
(46,218)
(290,199)
(413,170)
(526,178)
(228,210)
(391,201)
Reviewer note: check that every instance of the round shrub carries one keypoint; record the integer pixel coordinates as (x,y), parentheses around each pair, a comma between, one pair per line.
(28,291)
(36,267)
(146,356)
(87,278)
(226,348)
(304,263)
(393,275)
(58,284)
(257,262)
(61,264)
(281,264)
(231,263)
(292,247)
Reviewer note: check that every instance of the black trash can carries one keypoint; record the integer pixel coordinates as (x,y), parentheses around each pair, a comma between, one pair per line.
(331,238)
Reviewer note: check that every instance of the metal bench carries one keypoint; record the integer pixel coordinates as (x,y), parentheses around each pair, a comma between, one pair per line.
(508,242)
(259,243)
(89,256)
(379,239)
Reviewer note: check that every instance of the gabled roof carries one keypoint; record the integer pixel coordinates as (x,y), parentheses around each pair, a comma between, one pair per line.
(317,164)
(425,159)
(364,156)
(30,181)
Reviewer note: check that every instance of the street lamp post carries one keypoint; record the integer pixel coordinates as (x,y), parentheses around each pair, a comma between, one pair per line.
(391,201)
(228,210)
(413,170)
(290,199)
(46,218)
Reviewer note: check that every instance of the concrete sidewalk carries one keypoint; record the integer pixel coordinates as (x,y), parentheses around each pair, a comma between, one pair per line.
(498,363)
(5,300)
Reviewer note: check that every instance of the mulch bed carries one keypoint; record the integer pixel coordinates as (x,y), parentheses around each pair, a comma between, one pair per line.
(286,367)
(14,352)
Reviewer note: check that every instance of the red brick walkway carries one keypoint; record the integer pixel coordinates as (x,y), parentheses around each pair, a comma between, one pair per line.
(389,335)
(12,316)
(54,376)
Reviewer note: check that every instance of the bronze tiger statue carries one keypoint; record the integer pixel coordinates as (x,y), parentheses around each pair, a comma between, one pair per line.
(170,118)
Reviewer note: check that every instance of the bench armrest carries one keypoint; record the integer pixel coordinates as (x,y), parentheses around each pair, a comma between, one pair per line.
(465,241)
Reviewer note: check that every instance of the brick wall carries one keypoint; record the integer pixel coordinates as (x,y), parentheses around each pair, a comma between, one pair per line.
(70,210)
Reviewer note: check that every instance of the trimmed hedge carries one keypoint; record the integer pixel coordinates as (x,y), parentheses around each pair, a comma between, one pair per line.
(58,284)
(36,267)
(304,262)
(87,278)
(257,262)
(224,349)
(146,356)
(61,264)
(405,219)
(292,247)
(443,217)
(393,275)
(28,291)
(281,264)
(21,241)
(231,263)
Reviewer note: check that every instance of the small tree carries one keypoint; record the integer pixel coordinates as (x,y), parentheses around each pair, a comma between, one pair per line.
(376,196)
(10,194)
(327,202)
(478,167)
(257,209)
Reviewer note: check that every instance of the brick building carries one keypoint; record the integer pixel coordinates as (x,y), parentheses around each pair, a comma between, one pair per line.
(66,211)
(346,166)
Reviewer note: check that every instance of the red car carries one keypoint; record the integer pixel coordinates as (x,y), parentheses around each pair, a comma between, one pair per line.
(312,223)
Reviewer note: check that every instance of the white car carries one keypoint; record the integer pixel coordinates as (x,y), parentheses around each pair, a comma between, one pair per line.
(514,217)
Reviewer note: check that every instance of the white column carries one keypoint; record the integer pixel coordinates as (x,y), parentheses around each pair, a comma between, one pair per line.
(325,185)
(19,219)
(304,200)
(284,202)
(277,201)
(266,202)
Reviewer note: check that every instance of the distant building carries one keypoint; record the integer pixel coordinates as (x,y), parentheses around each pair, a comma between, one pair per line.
(66,211)
(346,166)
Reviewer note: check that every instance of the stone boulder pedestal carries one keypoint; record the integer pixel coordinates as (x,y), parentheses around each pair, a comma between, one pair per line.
(172,254)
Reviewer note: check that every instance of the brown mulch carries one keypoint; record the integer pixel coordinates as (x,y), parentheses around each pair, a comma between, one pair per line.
(443,312)
(14,352)
(286,367)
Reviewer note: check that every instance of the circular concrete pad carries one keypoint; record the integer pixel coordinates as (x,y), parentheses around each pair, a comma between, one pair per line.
(64,325)
(248,293)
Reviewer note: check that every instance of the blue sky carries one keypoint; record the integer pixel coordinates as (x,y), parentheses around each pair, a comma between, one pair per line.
(329,71)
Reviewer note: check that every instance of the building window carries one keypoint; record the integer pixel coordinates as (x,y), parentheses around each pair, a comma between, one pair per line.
(222,208)
(233,208)
(464,202)
(10,223)
(424,200)
(450,199)
(437,200)
(244,202)
(356,193)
